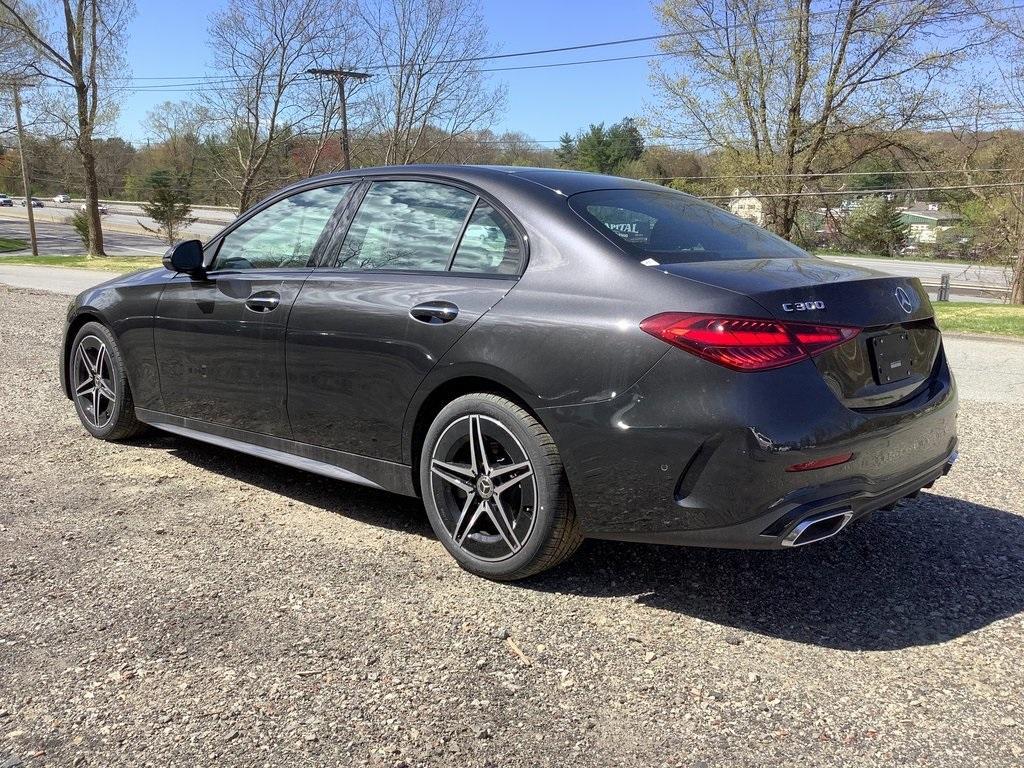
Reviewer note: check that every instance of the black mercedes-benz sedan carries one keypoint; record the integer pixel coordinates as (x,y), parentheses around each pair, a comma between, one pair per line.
(541,355)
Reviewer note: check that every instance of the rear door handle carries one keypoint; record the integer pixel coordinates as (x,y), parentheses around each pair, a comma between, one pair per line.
(434,312)
(263,301)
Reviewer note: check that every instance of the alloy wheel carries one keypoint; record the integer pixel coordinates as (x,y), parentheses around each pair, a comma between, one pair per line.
(94,381)
(484,486)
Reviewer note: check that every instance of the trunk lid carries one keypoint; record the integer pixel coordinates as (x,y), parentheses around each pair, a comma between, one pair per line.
(895,353)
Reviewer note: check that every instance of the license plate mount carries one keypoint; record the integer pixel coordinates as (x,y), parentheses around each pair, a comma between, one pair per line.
(890,354)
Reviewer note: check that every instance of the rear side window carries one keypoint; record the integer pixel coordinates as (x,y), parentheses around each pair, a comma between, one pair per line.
(489,244)
(409,225)
(670,227)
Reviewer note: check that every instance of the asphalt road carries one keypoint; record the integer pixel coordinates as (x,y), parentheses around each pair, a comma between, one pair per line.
(60,238)
(124,235)
(165,602)
(56,216)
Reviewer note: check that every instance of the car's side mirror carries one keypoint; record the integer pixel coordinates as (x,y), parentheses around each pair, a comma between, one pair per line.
(186,256)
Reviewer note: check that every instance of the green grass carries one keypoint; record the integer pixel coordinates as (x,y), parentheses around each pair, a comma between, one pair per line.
(972,317)
(104,263)
(10,244)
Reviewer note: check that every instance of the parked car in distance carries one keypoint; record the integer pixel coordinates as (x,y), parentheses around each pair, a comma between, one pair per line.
(62,199)
(5,201)
(36,202)
(541,355)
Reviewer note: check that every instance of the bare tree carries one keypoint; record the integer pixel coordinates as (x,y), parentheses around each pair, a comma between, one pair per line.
(179,128)
(787,90)
(262,48)
(990,104)
(77,43)
(428,90)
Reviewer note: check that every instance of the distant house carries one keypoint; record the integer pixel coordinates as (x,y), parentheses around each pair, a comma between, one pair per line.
(927,220)
(747,206)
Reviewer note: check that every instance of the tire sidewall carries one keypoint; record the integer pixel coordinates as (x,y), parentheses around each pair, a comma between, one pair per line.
(550,487)
(118,376)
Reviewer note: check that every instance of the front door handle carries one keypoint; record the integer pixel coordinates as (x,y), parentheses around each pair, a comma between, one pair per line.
(263,301)
(434,312)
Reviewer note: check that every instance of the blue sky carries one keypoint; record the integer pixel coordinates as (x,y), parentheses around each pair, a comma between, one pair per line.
(169,39)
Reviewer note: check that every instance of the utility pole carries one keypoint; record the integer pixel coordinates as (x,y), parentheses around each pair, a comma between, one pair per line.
(340,76)
(24,169)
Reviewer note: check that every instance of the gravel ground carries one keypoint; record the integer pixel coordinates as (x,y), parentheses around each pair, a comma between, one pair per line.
(163,602)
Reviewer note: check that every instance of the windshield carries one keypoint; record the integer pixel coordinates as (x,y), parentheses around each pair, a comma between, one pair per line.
(669,227)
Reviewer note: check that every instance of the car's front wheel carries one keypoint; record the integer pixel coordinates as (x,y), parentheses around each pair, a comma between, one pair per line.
(99,386)
(495,489)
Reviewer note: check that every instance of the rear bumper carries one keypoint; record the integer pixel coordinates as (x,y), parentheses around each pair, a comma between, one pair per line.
(697,455)
(808,515)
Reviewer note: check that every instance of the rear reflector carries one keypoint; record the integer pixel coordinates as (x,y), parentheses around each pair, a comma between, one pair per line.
(745,343)
(829,461)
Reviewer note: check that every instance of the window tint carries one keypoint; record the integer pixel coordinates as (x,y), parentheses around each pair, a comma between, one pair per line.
(405,225)
(668,227)
(489,244)
(282,235)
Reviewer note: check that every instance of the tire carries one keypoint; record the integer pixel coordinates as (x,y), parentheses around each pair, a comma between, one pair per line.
(106,409)
(506,512)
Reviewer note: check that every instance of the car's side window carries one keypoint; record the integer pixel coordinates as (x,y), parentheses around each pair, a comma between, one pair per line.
(409,225)
(489,244)
(282,235)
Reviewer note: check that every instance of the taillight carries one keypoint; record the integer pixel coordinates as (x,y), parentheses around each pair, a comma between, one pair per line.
(745,343)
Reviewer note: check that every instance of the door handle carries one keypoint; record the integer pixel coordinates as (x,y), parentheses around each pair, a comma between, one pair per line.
(434,312)
(263,301)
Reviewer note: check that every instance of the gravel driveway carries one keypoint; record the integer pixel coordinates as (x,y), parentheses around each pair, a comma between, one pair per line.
(163,602)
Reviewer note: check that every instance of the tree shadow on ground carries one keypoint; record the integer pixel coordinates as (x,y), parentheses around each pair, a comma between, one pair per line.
(929,571)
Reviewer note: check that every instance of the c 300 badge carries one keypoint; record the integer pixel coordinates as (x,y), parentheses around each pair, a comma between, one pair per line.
(803,306)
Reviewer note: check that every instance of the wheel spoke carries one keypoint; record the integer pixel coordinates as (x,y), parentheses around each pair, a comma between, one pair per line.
(496,511)
(463,518)
(101,357)
(454,474)
(106,390)
(96,406)
(477,449)
(85,388)
(504,469)
(527,473)
(81,360)
(469,526)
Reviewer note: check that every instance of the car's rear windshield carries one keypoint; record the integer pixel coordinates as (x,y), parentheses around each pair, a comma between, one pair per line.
(670,227)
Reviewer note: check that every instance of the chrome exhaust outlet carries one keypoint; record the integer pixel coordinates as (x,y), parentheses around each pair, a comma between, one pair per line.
(817,528)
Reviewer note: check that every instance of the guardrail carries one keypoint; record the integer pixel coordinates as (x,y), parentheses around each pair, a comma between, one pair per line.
(969,289)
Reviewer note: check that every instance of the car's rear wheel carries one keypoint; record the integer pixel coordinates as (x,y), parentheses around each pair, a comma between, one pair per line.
(495,489)
(99,386)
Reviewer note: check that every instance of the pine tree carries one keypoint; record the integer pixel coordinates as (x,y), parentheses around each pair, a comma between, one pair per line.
(169,206)
(877,227)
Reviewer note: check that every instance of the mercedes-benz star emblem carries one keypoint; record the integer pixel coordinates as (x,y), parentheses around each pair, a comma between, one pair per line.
(903,298)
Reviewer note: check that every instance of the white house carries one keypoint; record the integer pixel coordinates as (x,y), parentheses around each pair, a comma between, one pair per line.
(927,220)
(747,206)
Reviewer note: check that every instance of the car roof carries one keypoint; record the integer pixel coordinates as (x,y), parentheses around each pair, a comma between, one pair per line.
(566,182)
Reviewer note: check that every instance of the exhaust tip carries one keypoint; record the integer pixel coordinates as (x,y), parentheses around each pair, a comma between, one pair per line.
(817,528)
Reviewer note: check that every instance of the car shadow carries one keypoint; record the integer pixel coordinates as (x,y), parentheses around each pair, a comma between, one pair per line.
(357,502)
(929,571)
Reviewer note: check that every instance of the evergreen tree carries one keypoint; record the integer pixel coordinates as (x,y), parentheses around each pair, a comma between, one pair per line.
(169,206)
(600,149)
(877,227)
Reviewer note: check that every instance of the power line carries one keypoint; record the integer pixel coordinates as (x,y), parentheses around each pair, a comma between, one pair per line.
(830,174)
(875,192)
(186,82)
